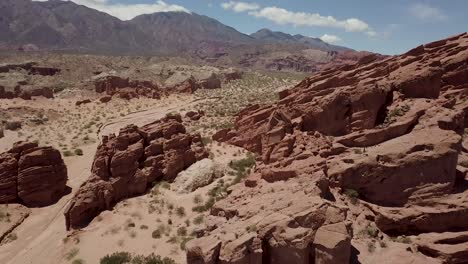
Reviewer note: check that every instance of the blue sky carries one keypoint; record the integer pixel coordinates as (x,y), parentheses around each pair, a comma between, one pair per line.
(385,26)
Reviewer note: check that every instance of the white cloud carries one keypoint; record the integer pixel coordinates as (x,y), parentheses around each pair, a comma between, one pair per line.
(426,12)
(129,11)
(371,33)
(330,38)
(283,16)
(239,7)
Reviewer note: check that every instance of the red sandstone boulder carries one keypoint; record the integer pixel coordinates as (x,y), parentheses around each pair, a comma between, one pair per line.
(194,115)
(42,176)
(82,102)
(35,176)
(125,165)
(189,85)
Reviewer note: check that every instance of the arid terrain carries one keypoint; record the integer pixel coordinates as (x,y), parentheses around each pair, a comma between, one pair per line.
(163,218)
(266,148)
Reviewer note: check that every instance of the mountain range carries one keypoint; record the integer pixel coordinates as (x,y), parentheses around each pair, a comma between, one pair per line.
(67,26)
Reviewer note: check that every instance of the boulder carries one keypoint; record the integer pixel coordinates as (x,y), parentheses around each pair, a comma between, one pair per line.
(333,244)
(210,82)
(13,125)
(82,102)
(194,115)
(232,75)
(42,176)
(35,176)
(198,175)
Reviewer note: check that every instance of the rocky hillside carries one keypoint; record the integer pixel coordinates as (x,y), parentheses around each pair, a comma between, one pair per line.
(363,163)
(280,37)
(66,26)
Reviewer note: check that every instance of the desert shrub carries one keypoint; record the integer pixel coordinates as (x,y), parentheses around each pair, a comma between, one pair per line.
(182,231)
(157,233)
(116,258)
(173,240)
(78,261)
(78,152)
(251,228)
(143,227)
(243,164)
(184,242)
(72,253)
(4,216)
(67,153)
(370,246)
(206,140)
(198,199)
(352,195)
(180,211)
(372,231)
(151,259)
(198,220)
(403,239)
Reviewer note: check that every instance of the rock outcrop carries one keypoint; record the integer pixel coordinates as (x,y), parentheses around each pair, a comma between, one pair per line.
(388,132)
(26,93)
(31,68)
(125,165)
(126,88)
(34,176)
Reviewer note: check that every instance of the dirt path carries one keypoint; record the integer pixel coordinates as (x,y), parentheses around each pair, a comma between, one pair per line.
(40,236)
(145,117)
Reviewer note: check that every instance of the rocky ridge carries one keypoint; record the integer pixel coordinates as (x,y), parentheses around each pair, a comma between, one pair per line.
(127,164)
(382,142)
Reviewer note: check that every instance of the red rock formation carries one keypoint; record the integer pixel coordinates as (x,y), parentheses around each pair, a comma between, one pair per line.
(125,165)
(31,67)
(82,102)
(44,71)
(25,94)
(126,89)
(210,82)
(32,175)
(188,86)
(389,130)
(194,115)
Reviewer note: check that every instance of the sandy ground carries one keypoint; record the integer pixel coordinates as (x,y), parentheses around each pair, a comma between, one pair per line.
(42,237)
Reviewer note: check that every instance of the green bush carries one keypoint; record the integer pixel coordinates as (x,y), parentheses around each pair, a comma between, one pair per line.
(116,258)
(156,234)
(352,195)
(78,152)
(67,153)
(72,253)
(180,211)
(198,220)
(182,231)
(78,261)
